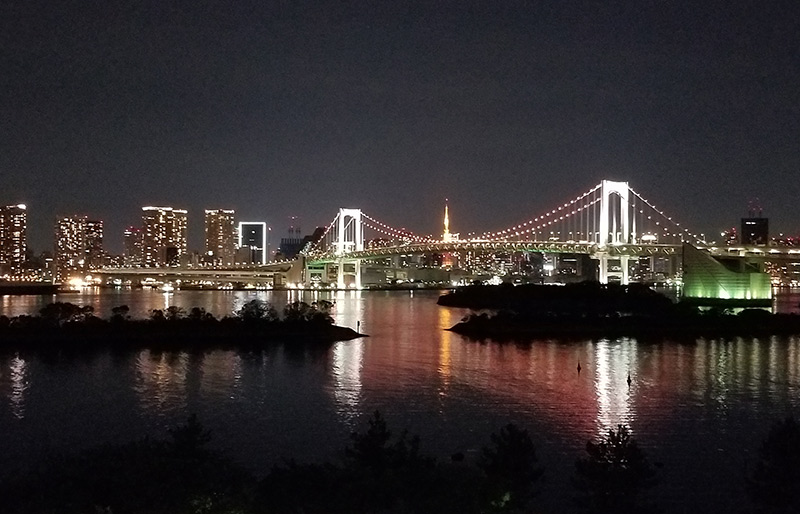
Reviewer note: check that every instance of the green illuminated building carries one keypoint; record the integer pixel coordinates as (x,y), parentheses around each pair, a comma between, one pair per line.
(730,281)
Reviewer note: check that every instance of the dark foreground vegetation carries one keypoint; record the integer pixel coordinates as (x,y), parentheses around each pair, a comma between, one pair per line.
(593,309)
(68,326)
(378,473)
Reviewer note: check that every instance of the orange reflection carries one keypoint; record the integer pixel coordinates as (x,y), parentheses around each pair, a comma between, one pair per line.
(444,352)
(347,364)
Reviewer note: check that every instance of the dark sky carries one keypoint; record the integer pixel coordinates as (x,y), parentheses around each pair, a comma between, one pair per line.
(507,108)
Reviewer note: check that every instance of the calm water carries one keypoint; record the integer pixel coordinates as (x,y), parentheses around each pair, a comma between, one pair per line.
(699,408)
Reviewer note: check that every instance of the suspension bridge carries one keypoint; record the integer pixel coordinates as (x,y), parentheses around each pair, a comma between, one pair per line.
(610,222)
(609,226)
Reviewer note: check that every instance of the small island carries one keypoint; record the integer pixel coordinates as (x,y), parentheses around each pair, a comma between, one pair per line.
(66,326)
(590,309)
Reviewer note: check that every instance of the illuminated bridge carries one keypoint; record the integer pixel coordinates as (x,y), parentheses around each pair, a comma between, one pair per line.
(610,224)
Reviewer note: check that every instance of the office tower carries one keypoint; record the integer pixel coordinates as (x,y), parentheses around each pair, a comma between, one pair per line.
(755,231)
(13,242)
(220,236)
(291,247)
(253,242)
(95,255)
(132,238)
(78,246)
(163,236)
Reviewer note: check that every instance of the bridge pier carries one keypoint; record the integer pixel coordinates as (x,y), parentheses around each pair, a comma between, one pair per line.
(342,273)
(609,268)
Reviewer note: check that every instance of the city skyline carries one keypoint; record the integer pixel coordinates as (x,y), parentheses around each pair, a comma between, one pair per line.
(304,108)
(120,244)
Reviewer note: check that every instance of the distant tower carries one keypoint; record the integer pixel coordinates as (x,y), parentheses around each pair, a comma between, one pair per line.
(446,236)
(13,242)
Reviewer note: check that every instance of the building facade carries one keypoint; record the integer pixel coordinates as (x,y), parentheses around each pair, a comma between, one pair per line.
(78,246)
(755,231)
(253,243)
(132,240)
(13,238)
(220,232)
(163,236)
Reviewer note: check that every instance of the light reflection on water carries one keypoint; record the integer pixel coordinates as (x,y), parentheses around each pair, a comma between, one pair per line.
(346,370)
(698,406)
(613,364)
(161,380)
(18,383)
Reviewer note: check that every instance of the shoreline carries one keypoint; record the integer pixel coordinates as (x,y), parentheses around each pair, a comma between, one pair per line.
(477,328)
(171,336)
(593,310)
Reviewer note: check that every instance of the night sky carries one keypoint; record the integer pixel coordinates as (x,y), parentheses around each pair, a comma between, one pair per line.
(507,108)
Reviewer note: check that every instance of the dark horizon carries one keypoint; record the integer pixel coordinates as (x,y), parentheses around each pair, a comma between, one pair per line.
(297,109)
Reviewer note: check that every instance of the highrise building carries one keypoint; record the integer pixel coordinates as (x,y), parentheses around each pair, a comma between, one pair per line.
(755,231)
(292,246)
(221,236)
(132,239)
(163,235)
(95,254)
(13,240)
(253,242)
(78,246)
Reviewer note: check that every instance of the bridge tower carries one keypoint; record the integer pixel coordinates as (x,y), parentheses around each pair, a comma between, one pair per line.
(614,228)
(349,238)
(619,219)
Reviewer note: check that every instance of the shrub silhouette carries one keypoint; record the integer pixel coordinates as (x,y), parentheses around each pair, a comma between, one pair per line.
(59,313)
(148,476)
(773,483)
(614,473)
(510,469)
(257,310)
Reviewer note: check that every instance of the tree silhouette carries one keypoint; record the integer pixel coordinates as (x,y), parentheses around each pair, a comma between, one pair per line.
(147,476)
(174,313)
(384,472)
(372,450)
(322,312)
(257,310)
(120,313)
(614,473)
(510,468)
(296,312)
(200,314)
(59,313)
(774,481)
(190,439)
